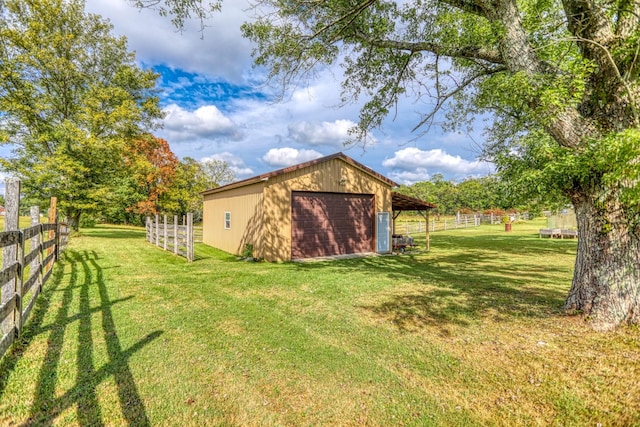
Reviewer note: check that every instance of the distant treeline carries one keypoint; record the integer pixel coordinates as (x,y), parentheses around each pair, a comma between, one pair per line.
(485,194)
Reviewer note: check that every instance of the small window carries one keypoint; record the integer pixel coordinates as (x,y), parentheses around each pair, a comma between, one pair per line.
(227,220)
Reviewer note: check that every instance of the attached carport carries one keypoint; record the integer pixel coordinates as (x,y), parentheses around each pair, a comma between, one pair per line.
(401,202)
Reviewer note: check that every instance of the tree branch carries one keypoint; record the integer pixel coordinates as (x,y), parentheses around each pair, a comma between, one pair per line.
(473,7)
(350,14)
(614,67)
(466,52)
(442,99)
(587,21)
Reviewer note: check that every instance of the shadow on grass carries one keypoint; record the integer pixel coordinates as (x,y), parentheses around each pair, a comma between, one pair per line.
(115,232)
(201,251)
(465,278)
(32,328)
(79,285)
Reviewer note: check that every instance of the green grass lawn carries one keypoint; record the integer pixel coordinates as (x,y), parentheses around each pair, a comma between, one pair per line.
(470,333)
(23,221)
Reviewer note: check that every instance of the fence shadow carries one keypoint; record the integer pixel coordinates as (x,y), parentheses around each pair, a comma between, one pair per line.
(79,293)
(32,328)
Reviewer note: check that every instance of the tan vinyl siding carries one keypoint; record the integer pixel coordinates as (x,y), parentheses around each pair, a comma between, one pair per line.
(245,206)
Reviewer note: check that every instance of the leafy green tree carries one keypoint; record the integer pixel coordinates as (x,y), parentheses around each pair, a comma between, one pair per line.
(181,10)
(439,191)
(217,172)
(72,100)
(560,78)
(125,193)
(474,194)
(192,178)
(478,194)
(183,196)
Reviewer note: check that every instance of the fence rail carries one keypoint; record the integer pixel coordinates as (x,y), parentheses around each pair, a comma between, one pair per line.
(174,237)
(28,257)
(197,234)
(451,223)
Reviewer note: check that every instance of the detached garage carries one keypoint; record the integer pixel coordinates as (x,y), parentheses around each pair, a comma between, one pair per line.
(328,206)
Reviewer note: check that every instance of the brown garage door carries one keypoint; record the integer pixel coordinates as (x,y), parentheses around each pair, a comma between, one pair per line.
(324,224)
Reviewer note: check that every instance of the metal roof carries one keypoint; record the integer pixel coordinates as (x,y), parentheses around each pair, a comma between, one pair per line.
(401,202)
(266,176)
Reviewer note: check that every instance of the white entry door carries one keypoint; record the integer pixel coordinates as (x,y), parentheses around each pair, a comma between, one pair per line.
(383,232)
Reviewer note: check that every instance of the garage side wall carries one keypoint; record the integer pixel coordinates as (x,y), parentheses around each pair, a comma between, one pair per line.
(335,176)
(245,207)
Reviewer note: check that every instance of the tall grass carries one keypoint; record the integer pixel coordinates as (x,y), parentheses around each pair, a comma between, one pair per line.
(471,333)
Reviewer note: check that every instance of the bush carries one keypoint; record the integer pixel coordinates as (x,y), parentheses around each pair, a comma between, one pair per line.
(87,221)
(248,251)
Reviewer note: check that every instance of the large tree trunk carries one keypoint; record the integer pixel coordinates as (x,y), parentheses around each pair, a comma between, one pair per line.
(606,281)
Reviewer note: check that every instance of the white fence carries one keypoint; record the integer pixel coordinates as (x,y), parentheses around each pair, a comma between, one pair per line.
(452,223)
(174,237)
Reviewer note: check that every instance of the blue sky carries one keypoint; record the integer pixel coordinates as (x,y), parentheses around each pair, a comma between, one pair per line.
(218,107)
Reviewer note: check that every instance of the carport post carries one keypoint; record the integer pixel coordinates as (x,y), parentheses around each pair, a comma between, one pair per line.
(425,215)
(427,231)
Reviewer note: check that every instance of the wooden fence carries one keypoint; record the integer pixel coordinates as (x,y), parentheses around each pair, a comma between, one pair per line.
(27,262)
(172,237)
(197,233)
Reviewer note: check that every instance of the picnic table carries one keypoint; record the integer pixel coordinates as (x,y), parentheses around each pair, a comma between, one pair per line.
(558,233)
(400,243)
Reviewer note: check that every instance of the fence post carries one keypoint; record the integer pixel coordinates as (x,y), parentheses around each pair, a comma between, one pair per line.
(157,242)
(165,234)
(189,237)
(427,230)
(175,234)
(35,242)
(52,218)
(10,253)
(57,244)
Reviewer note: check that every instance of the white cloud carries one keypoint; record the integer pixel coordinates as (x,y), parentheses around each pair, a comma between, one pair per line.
(236,164)
(410,177)
(307,117)
(281,157)
(413,159)
(220,50)
(206,122)
(3,179)
(334,133)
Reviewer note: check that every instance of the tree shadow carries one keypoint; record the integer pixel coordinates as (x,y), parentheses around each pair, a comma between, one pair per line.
(78,292)
(440,290)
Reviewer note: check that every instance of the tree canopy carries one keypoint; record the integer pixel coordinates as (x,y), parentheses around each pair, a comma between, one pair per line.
(191,179)
(72,100)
